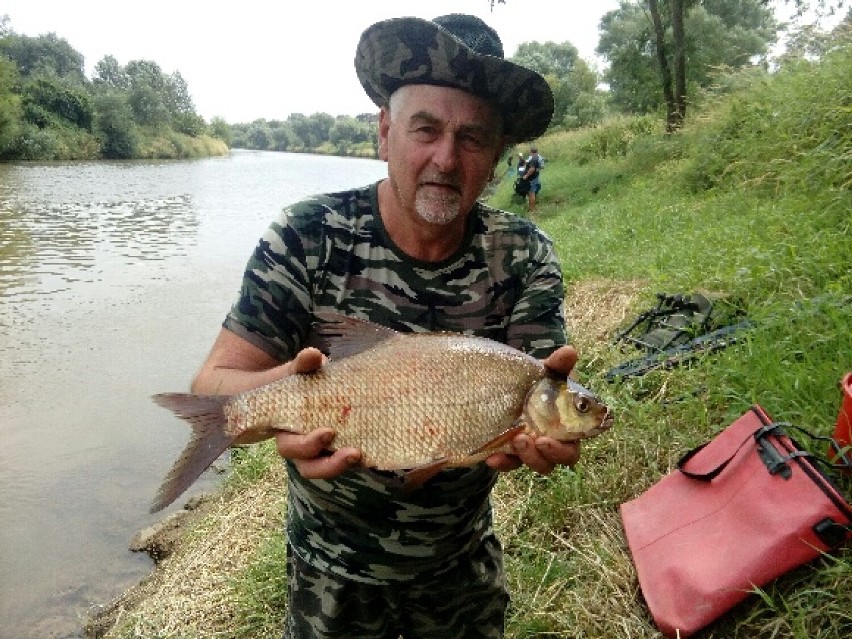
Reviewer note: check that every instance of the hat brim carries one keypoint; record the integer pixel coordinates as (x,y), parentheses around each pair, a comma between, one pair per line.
(401,51)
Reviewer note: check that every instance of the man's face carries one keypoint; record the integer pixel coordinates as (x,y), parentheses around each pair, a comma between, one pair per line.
(441,145)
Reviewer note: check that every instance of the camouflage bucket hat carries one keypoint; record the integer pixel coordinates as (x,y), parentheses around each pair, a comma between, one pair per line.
(459,51)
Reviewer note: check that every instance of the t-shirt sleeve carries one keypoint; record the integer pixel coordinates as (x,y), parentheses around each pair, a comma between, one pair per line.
(537,325)
(273,309)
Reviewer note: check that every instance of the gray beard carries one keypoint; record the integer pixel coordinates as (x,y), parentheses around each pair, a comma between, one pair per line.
(437,210)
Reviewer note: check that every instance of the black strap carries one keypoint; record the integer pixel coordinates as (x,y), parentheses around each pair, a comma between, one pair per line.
(708,476)
(775,461)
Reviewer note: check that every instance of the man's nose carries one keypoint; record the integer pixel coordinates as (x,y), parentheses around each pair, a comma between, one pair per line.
(445,153)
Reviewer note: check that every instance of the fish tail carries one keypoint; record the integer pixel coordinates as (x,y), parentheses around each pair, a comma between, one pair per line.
(209,440)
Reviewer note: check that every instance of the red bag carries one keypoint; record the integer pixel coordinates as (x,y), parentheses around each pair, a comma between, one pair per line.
(738,512)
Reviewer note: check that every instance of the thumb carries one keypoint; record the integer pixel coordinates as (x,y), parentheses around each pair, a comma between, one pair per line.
(308,360)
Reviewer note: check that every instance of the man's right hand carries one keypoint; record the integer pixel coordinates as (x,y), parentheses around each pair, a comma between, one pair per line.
(235,365)
(310,452)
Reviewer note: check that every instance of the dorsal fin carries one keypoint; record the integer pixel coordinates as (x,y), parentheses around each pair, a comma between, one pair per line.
(339,336)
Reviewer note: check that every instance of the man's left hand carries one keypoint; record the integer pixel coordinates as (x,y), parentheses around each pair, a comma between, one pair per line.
(542,454)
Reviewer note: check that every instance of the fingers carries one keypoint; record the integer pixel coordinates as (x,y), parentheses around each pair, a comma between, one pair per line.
(326,467)
(307,360)
(541,454)
(311,456)
(562,360)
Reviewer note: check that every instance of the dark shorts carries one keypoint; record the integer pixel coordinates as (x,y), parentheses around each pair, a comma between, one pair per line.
(466,602)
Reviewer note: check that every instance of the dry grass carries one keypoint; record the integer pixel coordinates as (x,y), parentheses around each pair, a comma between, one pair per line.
(190,593)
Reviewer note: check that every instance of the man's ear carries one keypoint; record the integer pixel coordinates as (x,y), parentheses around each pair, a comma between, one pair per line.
(384,128)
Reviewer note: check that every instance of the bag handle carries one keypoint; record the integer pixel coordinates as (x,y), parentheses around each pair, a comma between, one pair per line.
(841,455)
(775,461)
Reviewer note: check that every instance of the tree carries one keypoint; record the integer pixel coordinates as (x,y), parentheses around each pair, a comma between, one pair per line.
(150,94)
(584,103)
(115,127)
(549,58)
(10,105)
(219,128)
(110,74)
(258,135)
(677,43)
(572,80)
(301,127)
(47,99)
(44,53)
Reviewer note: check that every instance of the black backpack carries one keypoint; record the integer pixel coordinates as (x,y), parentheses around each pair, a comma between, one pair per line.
(677,329)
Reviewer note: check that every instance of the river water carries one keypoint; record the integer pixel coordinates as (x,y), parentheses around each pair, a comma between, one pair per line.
(114,279)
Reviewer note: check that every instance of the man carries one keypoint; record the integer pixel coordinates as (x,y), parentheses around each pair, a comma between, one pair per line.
(532,174)
(415,252)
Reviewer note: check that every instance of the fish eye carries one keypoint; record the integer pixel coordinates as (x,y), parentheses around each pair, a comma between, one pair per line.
(582,403)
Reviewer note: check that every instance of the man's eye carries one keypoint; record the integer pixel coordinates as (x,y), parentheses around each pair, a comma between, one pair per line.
(425,132)
(472,142)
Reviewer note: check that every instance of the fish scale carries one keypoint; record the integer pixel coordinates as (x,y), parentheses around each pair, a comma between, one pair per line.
(435,393)
(407,401)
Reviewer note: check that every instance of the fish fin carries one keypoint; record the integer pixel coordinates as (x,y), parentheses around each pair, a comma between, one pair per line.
(339,336)
(209,440)
(500,443)
(416,477)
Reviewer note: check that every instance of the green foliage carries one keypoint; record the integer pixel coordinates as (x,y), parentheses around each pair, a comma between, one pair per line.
(49,110)
(115,127)
(718,33)
(109,74)
(783,134)
(54,143)
(221,130)
(50,99)
(549,58)
(43,54)
(577,100)
(613,138)
(10,107)
(316,133)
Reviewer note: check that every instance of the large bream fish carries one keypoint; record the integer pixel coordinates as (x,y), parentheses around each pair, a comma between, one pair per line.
(408,401)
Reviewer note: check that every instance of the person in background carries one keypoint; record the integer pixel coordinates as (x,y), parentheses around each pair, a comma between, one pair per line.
(532,174)
(416,251)
(522,164)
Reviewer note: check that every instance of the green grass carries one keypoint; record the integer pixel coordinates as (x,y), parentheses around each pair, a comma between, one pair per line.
(751,200)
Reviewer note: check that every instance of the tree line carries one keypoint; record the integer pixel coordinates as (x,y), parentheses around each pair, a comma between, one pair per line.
(660,55)
(50,110)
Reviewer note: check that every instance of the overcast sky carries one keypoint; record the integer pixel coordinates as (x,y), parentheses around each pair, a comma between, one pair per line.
(266,59)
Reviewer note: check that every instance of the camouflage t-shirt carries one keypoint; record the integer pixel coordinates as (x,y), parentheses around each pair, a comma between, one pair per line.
(332,253)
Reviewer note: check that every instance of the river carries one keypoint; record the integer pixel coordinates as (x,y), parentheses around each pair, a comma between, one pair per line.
(114,279)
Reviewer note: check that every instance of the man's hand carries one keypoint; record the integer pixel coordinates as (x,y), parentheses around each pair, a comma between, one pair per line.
(542,454)
(310,452)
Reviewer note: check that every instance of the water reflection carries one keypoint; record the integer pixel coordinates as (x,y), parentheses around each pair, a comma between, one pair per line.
(114,279)
(48,246)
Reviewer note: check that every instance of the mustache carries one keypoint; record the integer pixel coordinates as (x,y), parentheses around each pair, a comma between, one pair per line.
(441,179)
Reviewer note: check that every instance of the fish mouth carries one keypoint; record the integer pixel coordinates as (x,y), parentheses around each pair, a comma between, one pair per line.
(606,422)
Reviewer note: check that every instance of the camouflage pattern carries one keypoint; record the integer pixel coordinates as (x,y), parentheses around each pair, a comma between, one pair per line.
(465,601)
(331,253)
(457,51)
